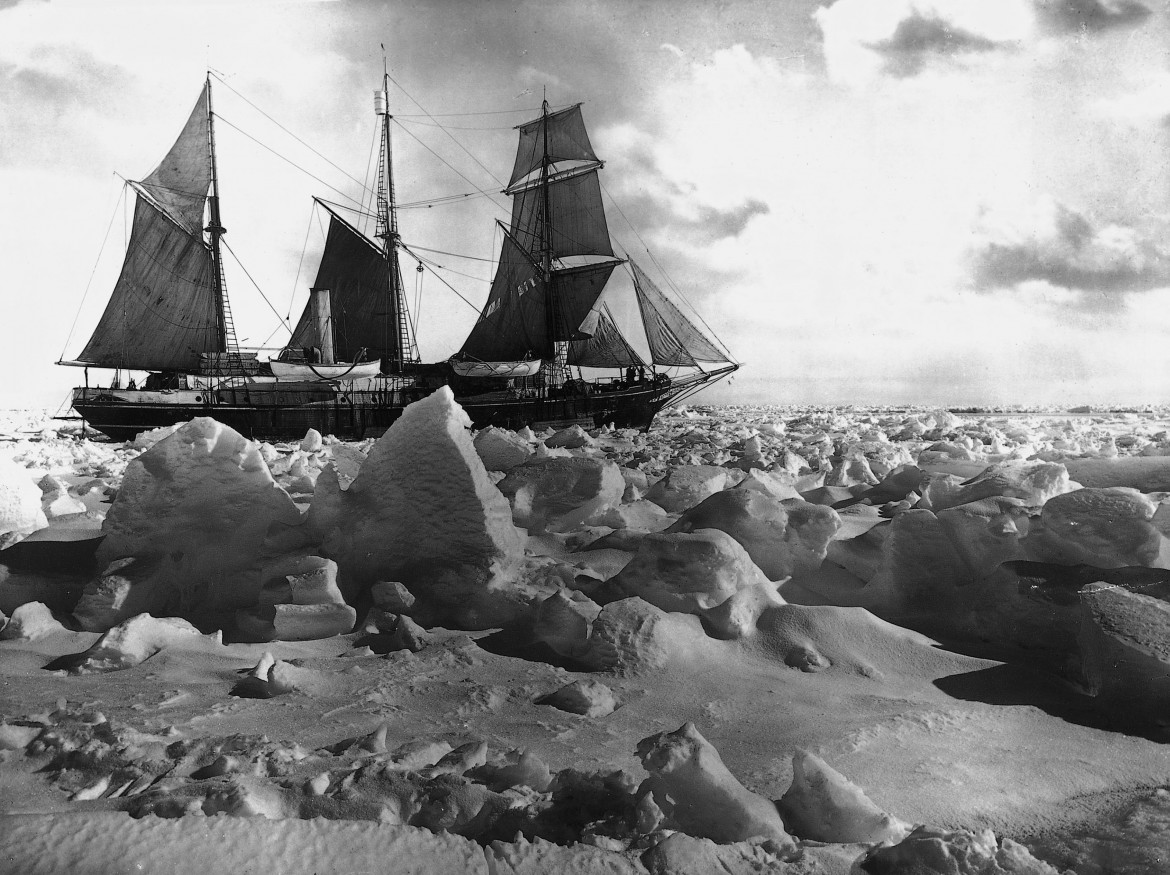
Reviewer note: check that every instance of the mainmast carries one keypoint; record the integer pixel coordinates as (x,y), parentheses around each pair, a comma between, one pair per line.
(387,229)
(557,368)
(215,230)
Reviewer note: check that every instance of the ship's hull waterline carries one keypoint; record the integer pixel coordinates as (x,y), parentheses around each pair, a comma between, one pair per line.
(289,414)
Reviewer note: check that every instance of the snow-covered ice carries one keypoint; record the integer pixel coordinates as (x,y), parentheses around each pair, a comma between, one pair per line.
(800,590)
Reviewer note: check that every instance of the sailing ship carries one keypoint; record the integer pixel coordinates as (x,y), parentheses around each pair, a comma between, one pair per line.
(546,350)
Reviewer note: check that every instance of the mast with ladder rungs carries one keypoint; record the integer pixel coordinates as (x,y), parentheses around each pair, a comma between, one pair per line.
(215,230)
(387,232)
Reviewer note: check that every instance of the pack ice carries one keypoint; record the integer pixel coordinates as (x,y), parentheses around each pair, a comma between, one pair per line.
(592,650)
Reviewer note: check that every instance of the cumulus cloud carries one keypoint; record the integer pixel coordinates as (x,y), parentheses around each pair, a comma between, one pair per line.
(921,37)
(863,38)
(37,94)
(1089,16)
(718,224)
(1065,248)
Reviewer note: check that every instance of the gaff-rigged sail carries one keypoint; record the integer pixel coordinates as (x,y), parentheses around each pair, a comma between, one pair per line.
(180,182)
(357,274)
(163,311)
(673,339)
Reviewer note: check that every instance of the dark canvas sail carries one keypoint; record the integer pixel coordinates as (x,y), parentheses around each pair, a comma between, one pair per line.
(180,182)
(512,325)
(605,347)
(576,217)
(162,313)
(673,339)
(357,275)
(567,140)
(557,256)
(574,293)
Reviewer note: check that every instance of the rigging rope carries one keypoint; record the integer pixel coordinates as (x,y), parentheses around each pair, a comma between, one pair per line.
(283,158)
(445,199)
(457,171)
(300,264)
(223,82)
(525,110)
(416,311)
(455,254)
(92,273)
(444,130)
(435,264)
(406,249)
(369,193)
(434,124)
(670,282)
(249,276)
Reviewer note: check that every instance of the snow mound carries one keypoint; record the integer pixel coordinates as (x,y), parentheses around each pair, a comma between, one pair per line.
(782,537)
(687,485)
(132,642)
(1109,528)
(823,805)
(30,621)
(560,494)
(113,842)
(687,572)
(694,792)
(589,698)
(20,504)
(423,511)
(500,449)
(962,852)
(299,601)
(198,503)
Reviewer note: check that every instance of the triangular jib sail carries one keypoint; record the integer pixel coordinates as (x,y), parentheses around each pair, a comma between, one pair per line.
(164,309)
(356,273)
(673,339)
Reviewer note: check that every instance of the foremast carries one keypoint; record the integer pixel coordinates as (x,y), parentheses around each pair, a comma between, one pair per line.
(555,367)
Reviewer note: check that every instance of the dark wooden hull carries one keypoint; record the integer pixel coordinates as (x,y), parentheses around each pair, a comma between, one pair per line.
(284,416)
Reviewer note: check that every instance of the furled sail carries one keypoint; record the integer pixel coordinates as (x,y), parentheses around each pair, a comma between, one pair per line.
(512,326)
(605,347)
(164,310)
(561,136)
(357,275)
(673,339)
(162,313)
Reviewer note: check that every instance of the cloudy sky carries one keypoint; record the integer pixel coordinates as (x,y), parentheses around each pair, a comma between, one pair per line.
(871,201)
